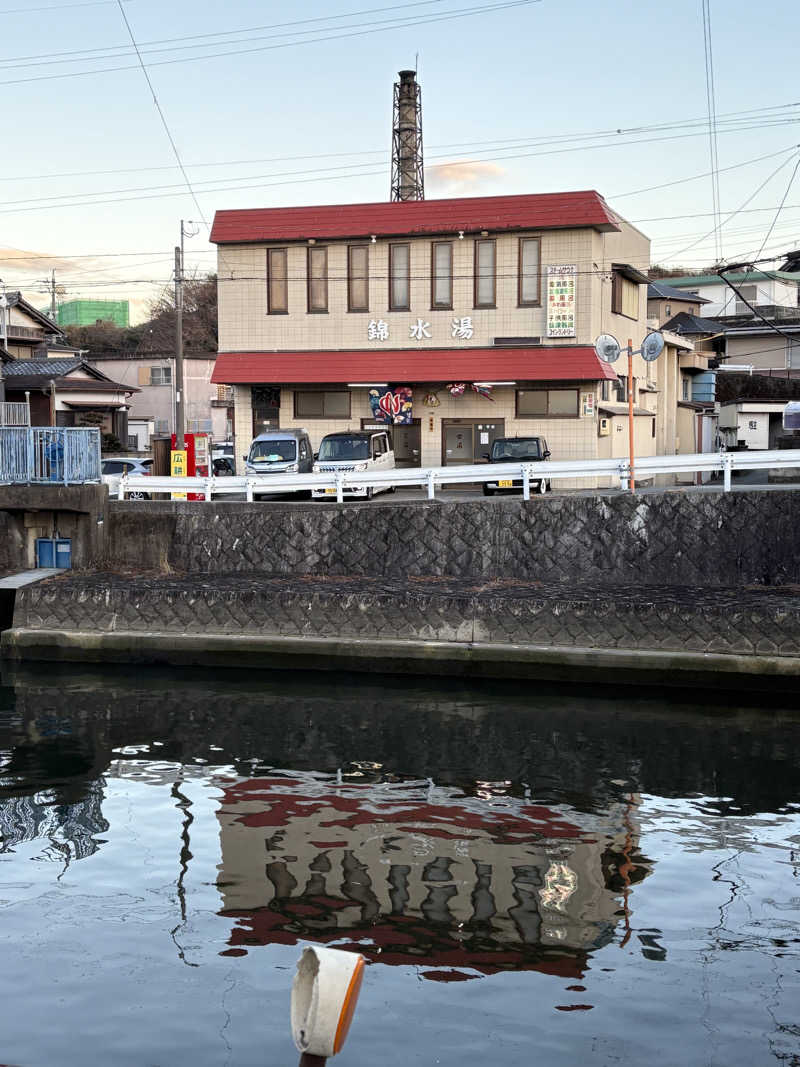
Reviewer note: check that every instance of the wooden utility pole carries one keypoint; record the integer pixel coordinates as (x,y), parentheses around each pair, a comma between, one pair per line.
(179,403)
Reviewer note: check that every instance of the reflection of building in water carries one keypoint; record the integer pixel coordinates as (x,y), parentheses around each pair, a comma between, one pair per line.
(414,874)
(69,831)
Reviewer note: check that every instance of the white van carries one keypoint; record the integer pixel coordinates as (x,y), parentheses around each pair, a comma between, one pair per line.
(354,450)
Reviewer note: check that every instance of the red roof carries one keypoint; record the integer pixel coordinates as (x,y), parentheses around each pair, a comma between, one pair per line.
(538,211)
(558,363)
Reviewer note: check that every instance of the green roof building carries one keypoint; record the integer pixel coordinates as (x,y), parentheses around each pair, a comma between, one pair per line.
(88,312)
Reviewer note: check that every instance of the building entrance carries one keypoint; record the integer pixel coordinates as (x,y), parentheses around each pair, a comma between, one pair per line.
(406,440)
(464,441)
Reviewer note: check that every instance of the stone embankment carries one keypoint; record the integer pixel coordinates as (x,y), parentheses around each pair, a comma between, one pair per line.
(670,588)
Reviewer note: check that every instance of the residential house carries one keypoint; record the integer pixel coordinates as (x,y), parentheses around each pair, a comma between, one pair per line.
(39,368)
(663,301)
(476,316)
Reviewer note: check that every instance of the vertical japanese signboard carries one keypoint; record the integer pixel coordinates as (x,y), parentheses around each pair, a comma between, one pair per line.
(561,283)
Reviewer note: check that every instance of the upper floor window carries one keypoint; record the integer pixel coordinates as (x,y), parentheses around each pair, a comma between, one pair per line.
(277,282)
(485,273)
(624,296)
(442,274)
(529,292)
(161,376)
(668,309)
(399,277)
(317,279)
(358,278)
(547,403)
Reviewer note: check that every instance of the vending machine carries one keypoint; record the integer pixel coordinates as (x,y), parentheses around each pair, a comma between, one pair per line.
(197,461)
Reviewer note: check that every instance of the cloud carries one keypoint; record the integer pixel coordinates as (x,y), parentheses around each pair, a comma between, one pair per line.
(463,177)
(35,262)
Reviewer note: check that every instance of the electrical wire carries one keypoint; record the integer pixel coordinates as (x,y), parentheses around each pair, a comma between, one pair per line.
(58,7)
(780,208)
(161,113)
(465,13)
(712,122)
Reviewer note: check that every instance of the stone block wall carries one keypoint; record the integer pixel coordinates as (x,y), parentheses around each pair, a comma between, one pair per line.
(692,539)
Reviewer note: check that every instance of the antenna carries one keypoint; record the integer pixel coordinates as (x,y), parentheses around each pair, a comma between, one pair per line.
(408,182)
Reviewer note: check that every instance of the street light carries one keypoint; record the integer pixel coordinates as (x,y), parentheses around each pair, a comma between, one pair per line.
(608,349)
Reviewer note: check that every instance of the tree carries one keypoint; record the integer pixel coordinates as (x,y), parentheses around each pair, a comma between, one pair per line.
(199,318)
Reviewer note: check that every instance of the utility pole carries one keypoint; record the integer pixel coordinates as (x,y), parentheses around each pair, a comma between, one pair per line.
(179,408)
(3,336)
(53,311)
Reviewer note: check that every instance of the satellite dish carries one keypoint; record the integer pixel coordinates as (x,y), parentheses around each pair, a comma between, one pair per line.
(607,348)
(652,346)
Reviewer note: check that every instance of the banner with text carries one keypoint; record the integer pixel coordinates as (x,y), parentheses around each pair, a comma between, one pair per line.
(561,283)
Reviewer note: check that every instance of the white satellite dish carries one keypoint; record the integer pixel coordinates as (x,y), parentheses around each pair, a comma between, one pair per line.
(607,348)
(652,346)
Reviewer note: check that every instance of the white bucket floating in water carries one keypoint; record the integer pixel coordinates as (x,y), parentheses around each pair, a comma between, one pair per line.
(324,995)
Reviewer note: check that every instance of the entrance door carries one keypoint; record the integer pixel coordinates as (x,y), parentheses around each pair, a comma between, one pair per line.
(408,444)
(464,441)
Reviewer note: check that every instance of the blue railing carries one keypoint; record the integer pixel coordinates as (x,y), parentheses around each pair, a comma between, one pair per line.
(49,454)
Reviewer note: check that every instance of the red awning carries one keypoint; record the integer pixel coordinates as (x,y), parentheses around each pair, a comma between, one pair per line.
(559,363)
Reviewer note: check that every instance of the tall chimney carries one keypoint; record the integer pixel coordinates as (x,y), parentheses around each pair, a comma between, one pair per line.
(408,181)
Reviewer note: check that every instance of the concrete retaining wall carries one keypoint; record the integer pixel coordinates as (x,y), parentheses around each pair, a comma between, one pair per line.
(747,538)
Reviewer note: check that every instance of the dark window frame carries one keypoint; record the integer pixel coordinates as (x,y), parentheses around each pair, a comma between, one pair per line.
(350,307)
(310,252)
(537,303)
(484,241)
(546,415)
(270,309)
(449,305)
(392,306)
(322,393)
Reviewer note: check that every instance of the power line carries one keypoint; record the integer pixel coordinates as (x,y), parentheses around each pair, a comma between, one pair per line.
(465,13)
(161,113)
(58,7)
(90,54)
(780,208)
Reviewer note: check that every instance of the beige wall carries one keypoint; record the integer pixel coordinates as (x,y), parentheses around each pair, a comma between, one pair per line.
(765,353)
(244,324)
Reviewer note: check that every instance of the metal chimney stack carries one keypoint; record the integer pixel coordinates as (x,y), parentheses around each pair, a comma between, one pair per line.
(408,182)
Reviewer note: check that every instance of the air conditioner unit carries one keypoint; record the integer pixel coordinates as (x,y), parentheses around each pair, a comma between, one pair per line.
(603,427)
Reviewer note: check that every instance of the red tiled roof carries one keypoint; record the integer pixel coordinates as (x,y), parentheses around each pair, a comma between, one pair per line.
(538,211)
(557,363)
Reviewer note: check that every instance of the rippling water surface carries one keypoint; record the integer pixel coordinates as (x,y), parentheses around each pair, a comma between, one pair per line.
(535,874)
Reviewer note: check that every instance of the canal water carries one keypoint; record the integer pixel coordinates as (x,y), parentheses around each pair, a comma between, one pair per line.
(534,874)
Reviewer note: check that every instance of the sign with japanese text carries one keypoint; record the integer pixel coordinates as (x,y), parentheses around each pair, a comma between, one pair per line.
(178,468)
(392,405)
(561,283)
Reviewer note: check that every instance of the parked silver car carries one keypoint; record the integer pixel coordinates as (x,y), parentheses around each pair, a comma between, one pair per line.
(113,467)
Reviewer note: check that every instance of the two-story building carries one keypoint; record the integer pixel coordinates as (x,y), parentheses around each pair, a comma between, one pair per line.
(459,320)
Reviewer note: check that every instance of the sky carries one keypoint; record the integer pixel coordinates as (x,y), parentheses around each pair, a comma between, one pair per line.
(299,111)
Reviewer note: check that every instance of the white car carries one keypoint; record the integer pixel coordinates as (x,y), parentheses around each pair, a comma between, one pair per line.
(354,450)
(112,469)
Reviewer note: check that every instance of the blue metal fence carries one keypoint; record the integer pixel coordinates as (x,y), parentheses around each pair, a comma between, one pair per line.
(49,454)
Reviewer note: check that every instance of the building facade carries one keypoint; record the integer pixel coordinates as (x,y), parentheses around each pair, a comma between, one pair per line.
(473,318)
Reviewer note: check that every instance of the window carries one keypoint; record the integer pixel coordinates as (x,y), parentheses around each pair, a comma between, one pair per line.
(266,403)
(485,258)
(685,388)
(317,279)
(528,291)
(547,403)
(277,282)
(322,405)
(605,390)
(668,309)
(399,277)
(624,296)
(621,386)
(161,375)
(442,274)
(358,278)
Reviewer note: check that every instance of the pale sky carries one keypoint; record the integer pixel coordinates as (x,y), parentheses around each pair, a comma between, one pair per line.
(507,90)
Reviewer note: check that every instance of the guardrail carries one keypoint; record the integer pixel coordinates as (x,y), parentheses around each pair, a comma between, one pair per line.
(66,455)
(432,478)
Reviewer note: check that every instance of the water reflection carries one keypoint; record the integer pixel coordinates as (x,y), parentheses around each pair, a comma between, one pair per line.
(638,852)
(409,872)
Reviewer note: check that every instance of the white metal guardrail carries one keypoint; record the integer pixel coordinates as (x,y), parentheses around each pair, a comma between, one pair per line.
(433,478)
